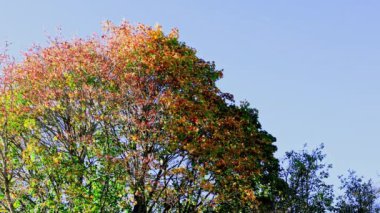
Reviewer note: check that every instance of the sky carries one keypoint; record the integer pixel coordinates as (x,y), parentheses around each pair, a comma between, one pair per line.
(311,68)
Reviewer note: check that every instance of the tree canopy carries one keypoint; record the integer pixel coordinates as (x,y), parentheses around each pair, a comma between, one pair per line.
(130,120)
(305,174)
(359,195)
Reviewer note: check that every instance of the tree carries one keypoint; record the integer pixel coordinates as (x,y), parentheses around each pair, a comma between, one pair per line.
(359,196)
(131,120)
(305,173)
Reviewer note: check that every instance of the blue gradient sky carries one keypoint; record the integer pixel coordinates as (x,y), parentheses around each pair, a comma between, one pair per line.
(312,68)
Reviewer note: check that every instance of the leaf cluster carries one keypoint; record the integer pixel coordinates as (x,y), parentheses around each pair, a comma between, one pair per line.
(131,120)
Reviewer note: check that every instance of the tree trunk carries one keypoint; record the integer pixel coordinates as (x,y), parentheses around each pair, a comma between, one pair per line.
(140,207)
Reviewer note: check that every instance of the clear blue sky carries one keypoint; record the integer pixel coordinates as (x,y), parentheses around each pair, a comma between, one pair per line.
(312,68)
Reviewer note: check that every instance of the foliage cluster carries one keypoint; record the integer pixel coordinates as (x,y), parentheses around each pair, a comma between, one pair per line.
(132,121)
(127,121)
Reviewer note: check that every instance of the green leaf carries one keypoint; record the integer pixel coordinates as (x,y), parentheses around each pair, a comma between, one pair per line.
(17,204)
(32,156)
(29,123)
